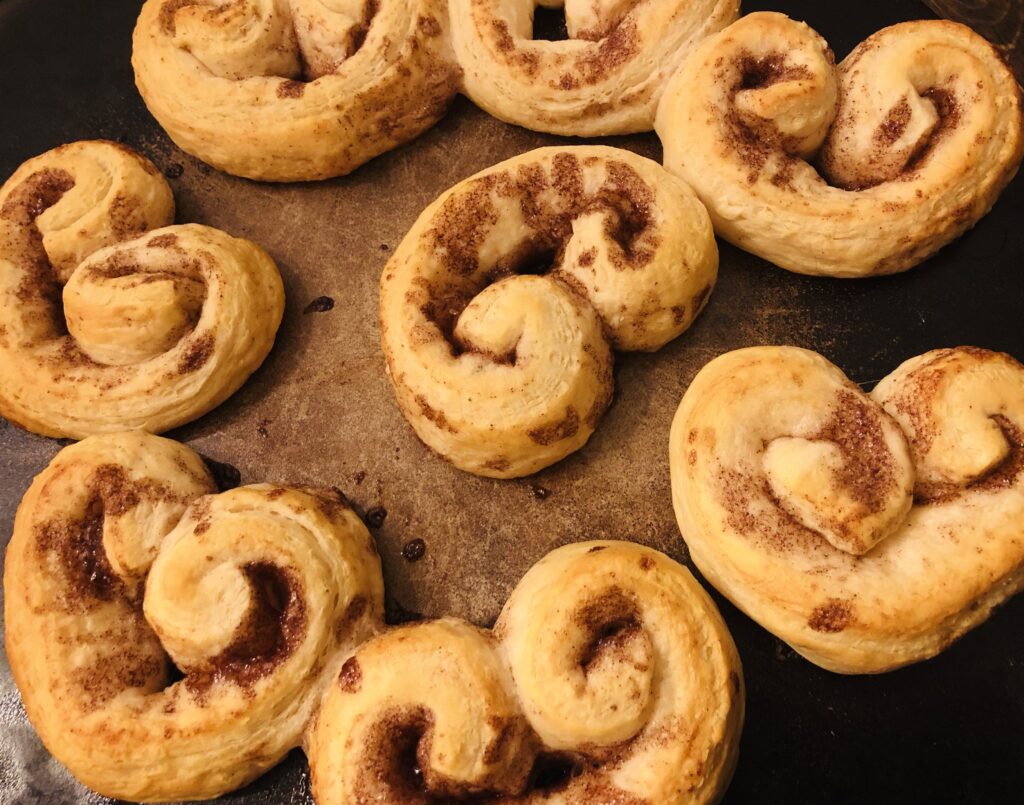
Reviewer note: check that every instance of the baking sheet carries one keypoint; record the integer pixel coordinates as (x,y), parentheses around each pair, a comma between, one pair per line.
(321,411)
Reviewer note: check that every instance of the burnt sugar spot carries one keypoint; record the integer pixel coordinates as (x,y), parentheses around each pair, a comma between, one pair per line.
(376,516)
(351,677)
(414,550)
(831,617)
(321,304)
(539,492)
(553,771)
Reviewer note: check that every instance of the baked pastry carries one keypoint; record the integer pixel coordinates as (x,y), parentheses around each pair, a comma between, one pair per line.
(609,677)
(606,79)
(289,90)
(121,557)
(158,325)
(500,307)
(868,532)
(915,134)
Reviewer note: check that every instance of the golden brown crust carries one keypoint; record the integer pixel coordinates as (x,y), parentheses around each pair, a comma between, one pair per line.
(607,78)
(867,532)
(915,135)
(609,677)
(292,90)
(501,305)
(107,322)
(123,570)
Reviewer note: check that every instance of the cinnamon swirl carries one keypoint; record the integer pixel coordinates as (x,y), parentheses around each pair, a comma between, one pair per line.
(124,572)
(868,532)
(609,677)
(290,90)
(500,307)
(915,134)
(108,322)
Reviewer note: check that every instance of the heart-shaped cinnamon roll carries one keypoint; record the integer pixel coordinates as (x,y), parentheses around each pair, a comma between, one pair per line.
(865,168)
(170,643)
(609,677)
(501,306)
(108,322)
(868,532)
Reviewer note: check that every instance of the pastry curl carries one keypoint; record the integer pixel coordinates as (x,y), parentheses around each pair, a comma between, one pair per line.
(121,564)
(606,79)
(290,90)
(104,328)
(608,664)
(500,306)
(915,134)
(868,532)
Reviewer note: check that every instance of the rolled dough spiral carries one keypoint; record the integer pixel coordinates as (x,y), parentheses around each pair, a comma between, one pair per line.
(500,307)
(290,90)
(609,677)
(865,168)
(109,318)
(123,569)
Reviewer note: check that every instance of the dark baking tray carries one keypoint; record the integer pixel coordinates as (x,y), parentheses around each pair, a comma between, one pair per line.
(321,411)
